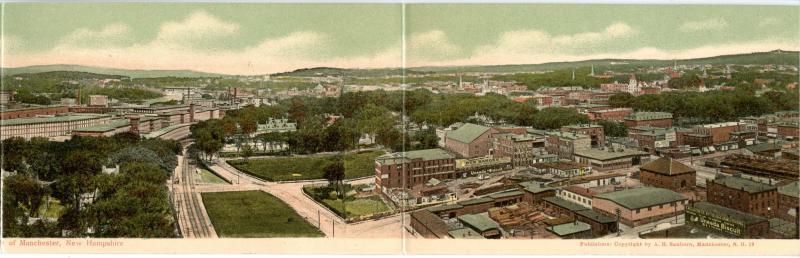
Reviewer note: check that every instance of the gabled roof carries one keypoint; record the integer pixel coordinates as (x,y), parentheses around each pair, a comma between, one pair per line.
(667,166)
(467,132)
(433,222)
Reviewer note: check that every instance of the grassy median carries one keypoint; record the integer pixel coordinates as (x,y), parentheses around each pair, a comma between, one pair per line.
(255,214)
(308,167)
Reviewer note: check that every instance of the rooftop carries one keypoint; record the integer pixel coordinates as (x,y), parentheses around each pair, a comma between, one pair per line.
(792,189)
(644,197)
(743,184)
(505,194)
(570,228)
(476,201)
(433,222)
(595,216)
(568,135)
(51,119)
(401,157)
(481,222)
(782,227)
(667,166)
(639,116)
(535,187)
(558,201)
(105,127)
(464,233)
(467,132)
(727,213)
(599,154)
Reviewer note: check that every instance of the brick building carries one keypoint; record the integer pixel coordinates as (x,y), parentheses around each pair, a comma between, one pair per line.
(32,112)
(611,158)
(564,144)
(719,132)
(744,195)
(470,140)
(612,114)
(520,148)
(668,173)
(638,206)
(788,201)
(657,119)
(595,132)
(412,168)
(727,221)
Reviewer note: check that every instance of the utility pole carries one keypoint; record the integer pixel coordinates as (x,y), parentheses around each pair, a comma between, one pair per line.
(617,211)
(333,228)
(319,220)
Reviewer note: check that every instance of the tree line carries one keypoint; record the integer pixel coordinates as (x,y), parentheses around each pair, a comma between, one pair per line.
(131,203)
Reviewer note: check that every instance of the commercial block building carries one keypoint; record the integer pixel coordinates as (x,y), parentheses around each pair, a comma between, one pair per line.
(729,222)
(408,169)
(611,158)
(668,173)
(470,140)
(640,206)
(657,119)
(743,195)
(51,126)
(520,148)
(595,132)
(565,144)
(611,114)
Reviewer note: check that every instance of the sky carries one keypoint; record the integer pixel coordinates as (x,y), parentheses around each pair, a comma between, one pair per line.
(268,38)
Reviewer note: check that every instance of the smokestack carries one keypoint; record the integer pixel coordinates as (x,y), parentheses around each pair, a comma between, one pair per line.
(78,97)
(134,120)
(191,113)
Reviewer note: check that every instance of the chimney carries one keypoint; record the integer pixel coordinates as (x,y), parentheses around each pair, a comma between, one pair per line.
(191,113)
(134,120)
(78,97)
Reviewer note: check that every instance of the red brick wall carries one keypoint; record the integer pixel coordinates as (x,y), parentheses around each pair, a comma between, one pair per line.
(656,122)
(32,112)
(666,181)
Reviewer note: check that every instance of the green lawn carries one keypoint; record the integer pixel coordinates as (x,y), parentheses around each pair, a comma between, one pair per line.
(210,178)
(358,207)
(52,210)
(302,168)
(255,214)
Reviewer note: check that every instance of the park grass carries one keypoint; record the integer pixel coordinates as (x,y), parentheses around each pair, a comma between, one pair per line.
(359,206)
(309,167)
(210,178)
(255,214)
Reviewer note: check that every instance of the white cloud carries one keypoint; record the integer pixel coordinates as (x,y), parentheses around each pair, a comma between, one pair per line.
(524,46)
(195,29)
(769,21)
(704,25)
(429,45)
(107,36)
(174,47)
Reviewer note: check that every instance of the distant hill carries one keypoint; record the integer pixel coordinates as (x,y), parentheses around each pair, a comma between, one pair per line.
(108,71)
(773,57)
(330,71)
(777,57)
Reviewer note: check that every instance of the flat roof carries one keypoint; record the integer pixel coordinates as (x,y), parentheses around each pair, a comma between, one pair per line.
(481,221)
(785,228)
(792,189)
(724,212)
(505,194)
(445,207)
(744,184)
(638,116)
(609,155)
(558,201)
(570,228)
(429,154)
(643,197)
(595,216)
(476,201)
(105,127)
(535,187)
(51,119)
(465,233)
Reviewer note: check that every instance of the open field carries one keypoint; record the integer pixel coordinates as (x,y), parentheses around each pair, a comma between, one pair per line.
(309,167)
(359,206)
(210,178)
(255,214)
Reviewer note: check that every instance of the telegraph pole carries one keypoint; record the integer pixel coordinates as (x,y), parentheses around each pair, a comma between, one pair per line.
(617,211)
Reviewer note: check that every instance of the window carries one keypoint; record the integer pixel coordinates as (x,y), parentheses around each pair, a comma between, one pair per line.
(649,208)
(637,211)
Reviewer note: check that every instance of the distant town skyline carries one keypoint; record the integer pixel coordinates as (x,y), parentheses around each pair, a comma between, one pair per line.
(267,38)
